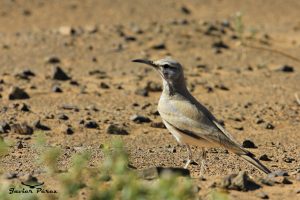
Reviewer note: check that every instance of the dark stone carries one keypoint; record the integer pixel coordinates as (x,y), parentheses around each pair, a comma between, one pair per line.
(24,107)
(225,23)
(160,46)
(288,159)
(68,31)
(264,157)
(69,130)
(211,29)
(97,72)
(222,87)
(155,113)
(17,93)
(4,127)
(26,12)
(22,129)
(104,85)
(249,144)
(74,82)
(91,29)
(209,89)
(59,74)
(11,175)
(220,45)
(260,121)
(129,38)
(142,92)
(139,119)
(20,145)
(69,107)
(156,172)
(185,10)
(262,195)
(240,128)
(25,74)
(91,124)
(157,125)
(56,89)
(116,130)
(63,117)
(285,180)
(286,68)
(270,126)
(240,182)
(53,60)
(37,125)
(31,180)
(191,163)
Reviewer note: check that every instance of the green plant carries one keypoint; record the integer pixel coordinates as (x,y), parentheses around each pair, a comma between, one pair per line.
(112,179)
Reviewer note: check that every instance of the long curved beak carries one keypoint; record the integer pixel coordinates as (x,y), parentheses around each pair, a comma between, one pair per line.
(148,62)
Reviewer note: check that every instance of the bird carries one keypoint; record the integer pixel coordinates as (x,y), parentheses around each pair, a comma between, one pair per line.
(190,122)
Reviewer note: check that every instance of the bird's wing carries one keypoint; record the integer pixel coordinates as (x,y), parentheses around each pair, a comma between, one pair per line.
(193,118)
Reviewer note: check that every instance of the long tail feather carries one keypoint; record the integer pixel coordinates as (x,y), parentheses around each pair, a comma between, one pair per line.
(250,158)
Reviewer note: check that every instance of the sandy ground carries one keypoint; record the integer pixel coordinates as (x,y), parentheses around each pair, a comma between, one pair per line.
(241,84)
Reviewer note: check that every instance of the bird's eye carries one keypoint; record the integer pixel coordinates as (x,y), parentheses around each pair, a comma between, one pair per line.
(166,66)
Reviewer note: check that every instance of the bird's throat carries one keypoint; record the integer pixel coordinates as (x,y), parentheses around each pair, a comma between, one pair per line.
(171,88)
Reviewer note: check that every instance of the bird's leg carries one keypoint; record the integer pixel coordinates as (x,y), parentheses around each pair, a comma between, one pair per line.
(190,155)
(203,160)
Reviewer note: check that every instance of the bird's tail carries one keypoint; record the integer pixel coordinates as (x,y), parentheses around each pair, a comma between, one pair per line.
(251,159)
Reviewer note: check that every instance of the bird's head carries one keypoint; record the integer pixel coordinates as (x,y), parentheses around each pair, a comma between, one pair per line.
(169,69)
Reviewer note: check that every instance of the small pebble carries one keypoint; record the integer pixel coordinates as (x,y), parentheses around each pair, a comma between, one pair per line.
(286,68)
(249,144)
(142,92)
(116,130)
(17,93)
(63,117)
(139,119)
(22,129)
(270,126)
(104,86)
(264,157)
(91,124)
(56,89)
(59,74)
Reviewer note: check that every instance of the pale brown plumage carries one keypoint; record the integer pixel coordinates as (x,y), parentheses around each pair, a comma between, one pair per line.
(187,119)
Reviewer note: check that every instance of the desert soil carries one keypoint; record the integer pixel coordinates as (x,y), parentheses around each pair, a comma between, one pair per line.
(244,69)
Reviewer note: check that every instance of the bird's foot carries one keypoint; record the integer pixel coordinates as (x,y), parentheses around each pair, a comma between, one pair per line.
(190,162)
(202,170)
(187,163)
